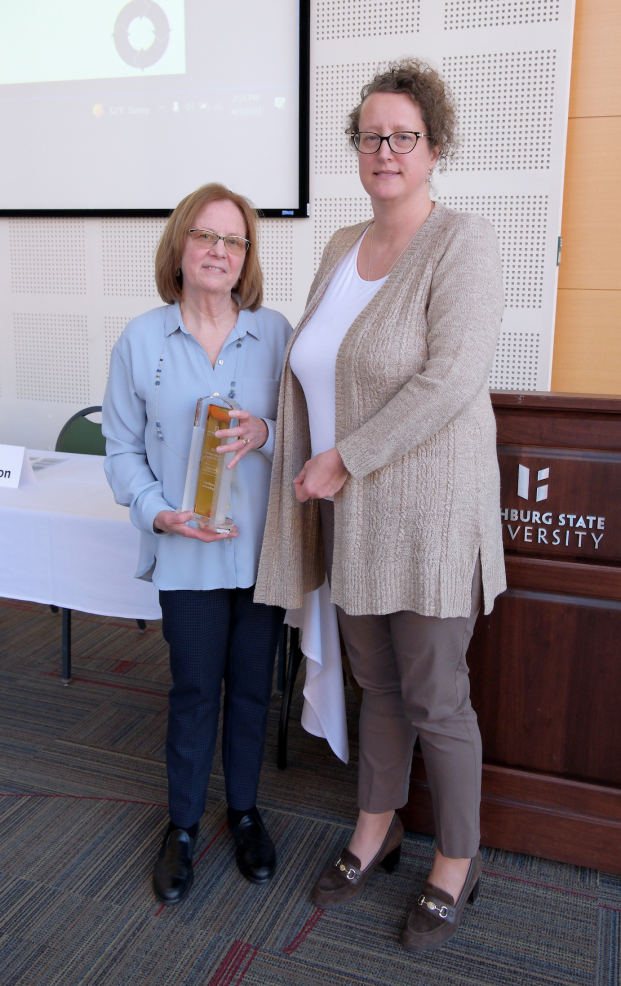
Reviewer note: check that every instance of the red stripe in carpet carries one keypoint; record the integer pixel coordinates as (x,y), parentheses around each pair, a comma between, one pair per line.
(105,684)
(79,797)
(247,966)
(122,667)
(210,843)
(239,957)
(304,931)
(105,658)
(544,886)
(76,615)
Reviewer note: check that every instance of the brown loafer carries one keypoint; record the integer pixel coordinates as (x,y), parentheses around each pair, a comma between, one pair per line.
(343,881)
(435,916)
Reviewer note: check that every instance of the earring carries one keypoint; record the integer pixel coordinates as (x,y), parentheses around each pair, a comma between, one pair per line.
(430,175)
(178,271)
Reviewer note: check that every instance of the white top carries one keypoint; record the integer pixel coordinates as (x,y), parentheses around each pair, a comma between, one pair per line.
(313,355)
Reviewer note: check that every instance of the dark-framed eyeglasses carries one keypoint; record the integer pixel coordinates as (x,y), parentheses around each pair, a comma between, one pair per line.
(401,142)
(235,245)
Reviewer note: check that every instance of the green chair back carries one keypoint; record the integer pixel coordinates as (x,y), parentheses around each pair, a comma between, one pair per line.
(81,435)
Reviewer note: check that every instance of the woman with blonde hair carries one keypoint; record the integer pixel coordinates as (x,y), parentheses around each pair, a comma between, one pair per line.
(385,475)
(213,338)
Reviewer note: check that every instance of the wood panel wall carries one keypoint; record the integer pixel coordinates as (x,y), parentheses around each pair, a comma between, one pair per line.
(587,345)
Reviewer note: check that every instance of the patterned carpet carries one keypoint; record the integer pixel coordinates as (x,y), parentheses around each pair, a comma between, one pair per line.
(83,808)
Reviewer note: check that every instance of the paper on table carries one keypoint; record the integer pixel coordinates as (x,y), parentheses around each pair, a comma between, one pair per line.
(41,462)
(324,695)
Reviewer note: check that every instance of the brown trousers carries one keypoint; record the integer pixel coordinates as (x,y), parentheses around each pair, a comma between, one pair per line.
(414,675)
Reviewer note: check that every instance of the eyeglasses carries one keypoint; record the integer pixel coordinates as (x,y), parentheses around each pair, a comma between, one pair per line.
(235,245)
(401,142)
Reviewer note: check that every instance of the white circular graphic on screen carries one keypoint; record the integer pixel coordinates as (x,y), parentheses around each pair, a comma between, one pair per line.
(141,33)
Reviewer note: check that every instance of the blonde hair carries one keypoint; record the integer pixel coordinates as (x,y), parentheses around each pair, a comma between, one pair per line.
(168,276)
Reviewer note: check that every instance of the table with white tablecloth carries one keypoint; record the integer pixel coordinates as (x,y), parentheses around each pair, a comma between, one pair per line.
(66,543)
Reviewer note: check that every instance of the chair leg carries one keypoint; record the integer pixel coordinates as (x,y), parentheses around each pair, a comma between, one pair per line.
(282,659)
(295,659)
(141,625)
(66,671)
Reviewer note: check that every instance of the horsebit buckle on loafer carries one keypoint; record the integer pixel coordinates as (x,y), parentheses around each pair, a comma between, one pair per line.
(440,912)
(350,872)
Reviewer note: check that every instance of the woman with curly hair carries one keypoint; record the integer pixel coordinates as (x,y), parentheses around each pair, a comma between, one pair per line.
(385,475)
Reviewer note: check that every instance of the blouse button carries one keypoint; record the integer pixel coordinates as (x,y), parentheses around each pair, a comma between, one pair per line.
(221,362)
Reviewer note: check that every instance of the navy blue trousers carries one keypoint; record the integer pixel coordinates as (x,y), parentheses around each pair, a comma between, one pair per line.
(214,636)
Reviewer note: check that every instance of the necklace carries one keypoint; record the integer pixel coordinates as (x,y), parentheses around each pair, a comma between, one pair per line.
(395,262)
(158,380)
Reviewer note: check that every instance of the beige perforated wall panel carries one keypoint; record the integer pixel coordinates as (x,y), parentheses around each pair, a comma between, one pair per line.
(276,255)
(517,358)
(51,357)
(47,256)
(69,286)
(506,104)
(129,247)
(343,19)
(460,14)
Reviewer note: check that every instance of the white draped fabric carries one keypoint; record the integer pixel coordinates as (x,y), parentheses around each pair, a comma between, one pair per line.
(324,696)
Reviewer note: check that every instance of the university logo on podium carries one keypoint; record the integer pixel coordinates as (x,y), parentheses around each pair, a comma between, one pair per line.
(524,482)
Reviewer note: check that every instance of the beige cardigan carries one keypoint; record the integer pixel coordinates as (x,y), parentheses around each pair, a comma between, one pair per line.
(416,431)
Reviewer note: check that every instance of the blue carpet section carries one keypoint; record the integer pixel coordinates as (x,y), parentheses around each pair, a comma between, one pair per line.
(82,812)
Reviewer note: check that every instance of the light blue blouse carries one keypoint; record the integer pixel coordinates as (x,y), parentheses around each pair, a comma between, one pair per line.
(146,470)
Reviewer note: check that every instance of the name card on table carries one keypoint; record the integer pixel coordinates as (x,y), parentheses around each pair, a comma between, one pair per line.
(15,467)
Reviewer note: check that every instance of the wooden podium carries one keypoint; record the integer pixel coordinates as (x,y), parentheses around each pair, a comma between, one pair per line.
(546,663)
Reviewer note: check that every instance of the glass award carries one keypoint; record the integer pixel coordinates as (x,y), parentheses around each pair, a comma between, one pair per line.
(208,482)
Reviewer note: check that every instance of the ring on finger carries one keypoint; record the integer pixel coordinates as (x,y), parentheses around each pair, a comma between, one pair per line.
(246,441)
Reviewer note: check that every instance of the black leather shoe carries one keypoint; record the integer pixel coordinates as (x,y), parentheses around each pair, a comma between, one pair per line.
(173,873)
(256,855)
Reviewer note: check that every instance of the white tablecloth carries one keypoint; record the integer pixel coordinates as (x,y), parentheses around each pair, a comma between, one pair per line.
(324,696)
(65,542)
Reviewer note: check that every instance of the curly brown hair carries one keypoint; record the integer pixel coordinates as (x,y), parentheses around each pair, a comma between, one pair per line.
(425,87)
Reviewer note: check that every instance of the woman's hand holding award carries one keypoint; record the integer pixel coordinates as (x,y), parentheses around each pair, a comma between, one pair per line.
(204,513)
(208,482)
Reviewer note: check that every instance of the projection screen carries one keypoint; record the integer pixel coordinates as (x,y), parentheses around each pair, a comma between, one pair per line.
(109,107)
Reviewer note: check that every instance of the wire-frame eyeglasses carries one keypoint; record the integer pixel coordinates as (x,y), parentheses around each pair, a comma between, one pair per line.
(236,245)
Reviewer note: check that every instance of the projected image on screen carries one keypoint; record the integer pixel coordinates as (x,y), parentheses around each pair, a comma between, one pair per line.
(131,104)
